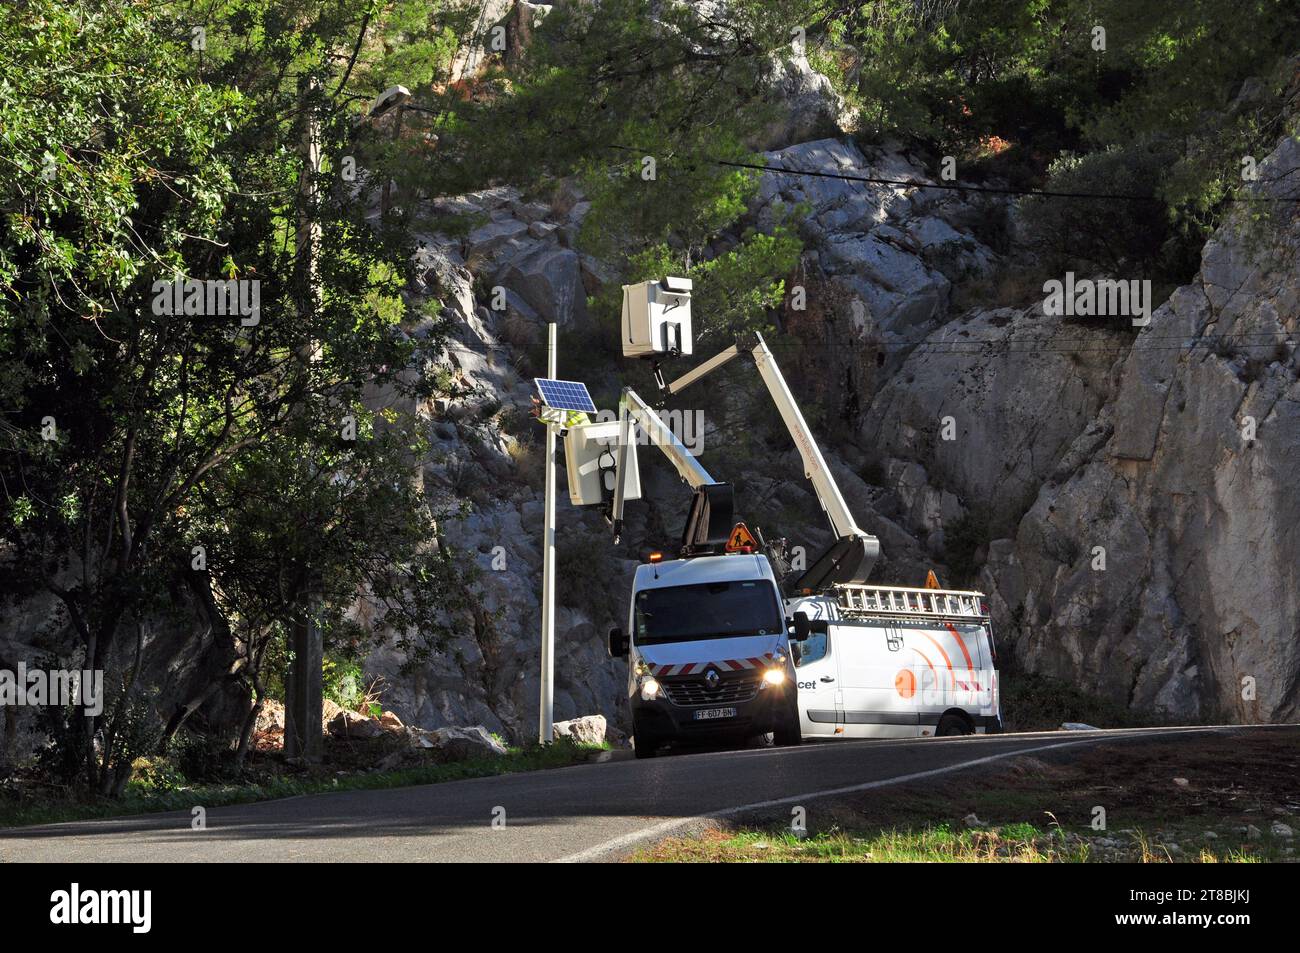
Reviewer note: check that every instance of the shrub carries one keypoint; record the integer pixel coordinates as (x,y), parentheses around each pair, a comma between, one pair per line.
(962,541)
(1118,236)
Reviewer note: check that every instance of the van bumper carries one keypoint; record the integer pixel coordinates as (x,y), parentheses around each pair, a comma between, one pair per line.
(669,721)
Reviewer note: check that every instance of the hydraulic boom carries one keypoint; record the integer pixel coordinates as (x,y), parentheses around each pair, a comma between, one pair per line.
(853,554)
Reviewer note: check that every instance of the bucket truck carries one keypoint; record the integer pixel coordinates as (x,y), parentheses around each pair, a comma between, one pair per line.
(713,648)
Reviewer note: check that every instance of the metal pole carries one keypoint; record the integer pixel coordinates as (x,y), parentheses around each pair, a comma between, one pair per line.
(545,725)
(304,682)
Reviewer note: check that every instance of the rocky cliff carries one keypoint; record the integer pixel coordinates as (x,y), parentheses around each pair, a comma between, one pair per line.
(1124,499)
(1186,478)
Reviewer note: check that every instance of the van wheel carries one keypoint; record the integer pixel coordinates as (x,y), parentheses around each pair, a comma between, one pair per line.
(644,743)
(952,725)
(788,733)
(643,750)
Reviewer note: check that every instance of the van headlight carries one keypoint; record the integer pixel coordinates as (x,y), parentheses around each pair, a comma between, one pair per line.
(774,676)
(649,688)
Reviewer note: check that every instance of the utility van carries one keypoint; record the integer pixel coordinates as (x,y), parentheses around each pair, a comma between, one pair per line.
(894,662)
(708,652)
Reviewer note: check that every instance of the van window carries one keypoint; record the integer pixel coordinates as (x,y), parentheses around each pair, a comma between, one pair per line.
(812,649)
(712,610)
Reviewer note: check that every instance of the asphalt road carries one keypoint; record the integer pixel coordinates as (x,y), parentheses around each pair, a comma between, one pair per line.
(585,812)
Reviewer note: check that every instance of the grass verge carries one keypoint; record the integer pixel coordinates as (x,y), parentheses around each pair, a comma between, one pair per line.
(30,811)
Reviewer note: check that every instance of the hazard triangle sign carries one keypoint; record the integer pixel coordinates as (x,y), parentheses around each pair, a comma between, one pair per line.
(932,581)
(742,540)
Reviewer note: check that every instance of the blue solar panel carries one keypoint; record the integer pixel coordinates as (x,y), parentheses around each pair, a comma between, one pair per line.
(565,395)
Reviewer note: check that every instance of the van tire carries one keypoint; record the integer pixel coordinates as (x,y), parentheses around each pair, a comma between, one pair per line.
(644,743)
(645,750)
(951,725)
(788,733)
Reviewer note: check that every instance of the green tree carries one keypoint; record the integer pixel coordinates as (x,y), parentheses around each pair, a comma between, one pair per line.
(1081,95)
(151,144)
(650,106)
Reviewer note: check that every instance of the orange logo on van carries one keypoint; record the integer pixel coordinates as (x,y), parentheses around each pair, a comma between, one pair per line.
(905,683)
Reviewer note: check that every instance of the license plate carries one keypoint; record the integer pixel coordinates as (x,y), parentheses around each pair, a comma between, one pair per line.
(709,713)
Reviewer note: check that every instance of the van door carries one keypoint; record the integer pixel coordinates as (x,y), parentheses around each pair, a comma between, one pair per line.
(878,672)
(817,673)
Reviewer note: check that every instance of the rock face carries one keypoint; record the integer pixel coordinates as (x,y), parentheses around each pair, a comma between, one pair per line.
(1164,458)
(807,104)
(1184,482)
(188,654)
(485,456)
(983,412)
(898,251)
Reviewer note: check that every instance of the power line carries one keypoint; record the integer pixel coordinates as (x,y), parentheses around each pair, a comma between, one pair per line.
(975,348)
(951,186)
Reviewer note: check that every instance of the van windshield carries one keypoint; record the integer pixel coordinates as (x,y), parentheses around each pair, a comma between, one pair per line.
(712,610)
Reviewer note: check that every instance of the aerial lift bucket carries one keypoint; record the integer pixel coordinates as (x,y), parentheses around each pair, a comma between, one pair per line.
(848,560)
(709,523)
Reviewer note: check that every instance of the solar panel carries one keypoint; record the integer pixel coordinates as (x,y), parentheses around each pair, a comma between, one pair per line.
(565,395)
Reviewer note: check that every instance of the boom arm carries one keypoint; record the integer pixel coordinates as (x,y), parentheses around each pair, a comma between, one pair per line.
(632,408)
(851,558)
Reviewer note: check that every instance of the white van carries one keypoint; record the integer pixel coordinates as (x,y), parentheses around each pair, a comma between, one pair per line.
(894,662)
(708,653)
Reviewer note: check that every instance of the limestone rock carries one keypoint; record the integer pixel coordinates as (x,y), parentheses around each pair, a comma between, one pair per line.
(587,730)
(351,724)
(457,744)
(549,279)
(1195,613)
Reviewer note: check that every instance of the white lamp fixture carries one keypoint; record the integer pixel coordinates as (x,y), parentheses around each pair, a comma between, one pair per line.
(590,456)
(657,318)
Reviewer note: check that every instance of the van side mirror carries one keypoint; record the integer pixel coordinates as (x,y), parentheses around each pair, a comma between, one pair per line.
(617,643)
(802,627)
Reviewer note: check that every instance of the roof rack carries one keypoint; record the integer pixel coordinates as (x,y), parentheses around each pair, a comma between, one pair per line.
(909,603)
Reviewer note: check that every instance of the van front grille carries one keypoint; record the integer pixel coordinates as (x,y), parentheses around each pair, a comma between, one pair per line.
(693,690)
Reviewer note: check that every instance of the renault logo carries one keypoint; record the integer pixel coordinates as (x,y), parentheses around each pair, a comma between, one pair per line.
(712,679)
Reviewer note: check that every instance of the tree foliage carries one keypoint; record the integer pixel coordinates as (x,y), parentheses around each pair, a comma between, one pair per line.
(145,450)
(1081,95)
